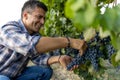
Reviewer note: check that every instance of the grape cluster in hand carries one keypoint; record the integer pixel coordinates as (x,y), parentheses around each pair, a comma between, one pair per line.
(93,52)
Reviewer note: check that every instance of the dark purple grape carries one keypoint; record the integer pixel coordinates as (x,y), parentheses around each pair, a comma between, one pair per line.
(93,52)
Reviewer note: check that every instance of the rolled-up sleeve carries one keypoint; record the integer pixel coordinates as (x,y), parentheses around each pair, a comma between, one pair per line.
(40,59)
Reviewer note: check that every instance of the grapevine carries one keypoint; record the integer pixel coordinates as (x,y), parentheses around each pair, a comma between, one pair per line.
(97,48)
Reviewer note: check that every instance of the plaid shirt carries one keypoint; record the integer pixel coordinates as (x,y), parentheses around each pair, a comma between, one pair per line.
(17,47)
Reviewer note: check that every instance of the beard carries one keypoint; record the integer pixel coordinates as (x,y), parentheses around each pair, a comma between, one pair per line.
(38,27)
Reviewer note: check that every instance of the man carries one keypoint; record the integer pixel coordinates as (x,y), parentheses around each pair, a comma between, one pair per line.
(20,42)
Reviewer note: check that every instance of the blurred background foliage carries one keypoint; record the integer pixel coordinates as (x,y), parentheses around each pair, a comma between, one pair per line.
(71,17)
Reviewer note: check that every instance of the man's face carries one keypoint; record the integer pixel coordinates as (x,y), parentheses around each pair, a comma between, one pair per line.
(35,20)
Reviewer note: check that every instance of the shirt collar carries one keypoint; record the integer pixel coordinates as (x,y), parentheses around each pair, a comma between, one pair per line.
(22,25)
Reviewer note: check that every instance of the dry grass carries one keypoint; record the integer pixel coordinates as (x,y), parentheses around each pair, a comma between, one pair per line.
(61,74)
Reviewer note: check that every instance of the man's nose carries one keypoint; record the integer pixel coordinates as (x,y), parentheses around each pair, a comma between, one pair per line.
(42,20)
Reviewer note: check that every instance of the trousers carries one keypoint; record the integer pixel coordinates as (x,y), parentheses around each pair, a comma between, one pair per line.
(32,73)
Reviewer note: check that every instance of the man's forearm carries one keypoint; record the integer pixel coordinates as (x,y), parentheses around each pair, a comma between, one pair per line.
(53,59)
(47,44)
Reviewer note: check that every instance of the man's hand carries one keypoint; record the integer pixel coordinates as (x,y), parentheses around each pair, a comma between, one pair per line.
(79,45)
(64,60)
(82,48)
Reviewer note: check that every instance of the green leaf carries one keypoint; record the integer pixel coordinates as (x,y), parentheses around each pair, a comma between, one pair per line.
(117,57)
(89,34)
(78,4)
(117,21)
(108,18)
(68,11)
(113,61)
(102,62)
(90,14)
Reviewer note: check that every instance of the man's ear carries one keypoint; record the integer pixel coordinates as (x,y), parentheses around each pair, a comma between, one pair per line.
(25,15)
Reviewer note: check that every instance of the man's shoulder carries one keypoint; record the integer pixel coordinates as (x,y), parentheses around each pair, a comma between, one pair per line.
(12,23)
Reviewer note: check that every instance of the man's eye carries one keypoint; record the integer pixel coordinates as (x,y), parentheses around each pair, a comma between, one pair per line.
(39,17)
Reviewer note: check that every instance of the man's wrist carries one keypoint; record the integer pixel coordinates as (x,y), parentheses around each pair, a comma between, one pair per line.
(68,39)
(59,58)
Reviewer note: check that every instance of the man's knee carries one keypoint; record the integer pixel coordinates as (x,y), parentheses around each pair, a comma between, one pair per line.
(49,71)
(46,70)
(2,77)
(47,74)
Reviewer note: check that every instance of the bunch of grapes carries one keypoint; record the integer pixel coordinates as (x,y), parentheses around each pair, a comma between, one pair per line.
(93,52)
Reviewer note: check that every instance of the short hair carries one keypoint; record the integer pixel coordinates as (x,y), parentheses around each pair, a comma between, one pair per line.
(30,5)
